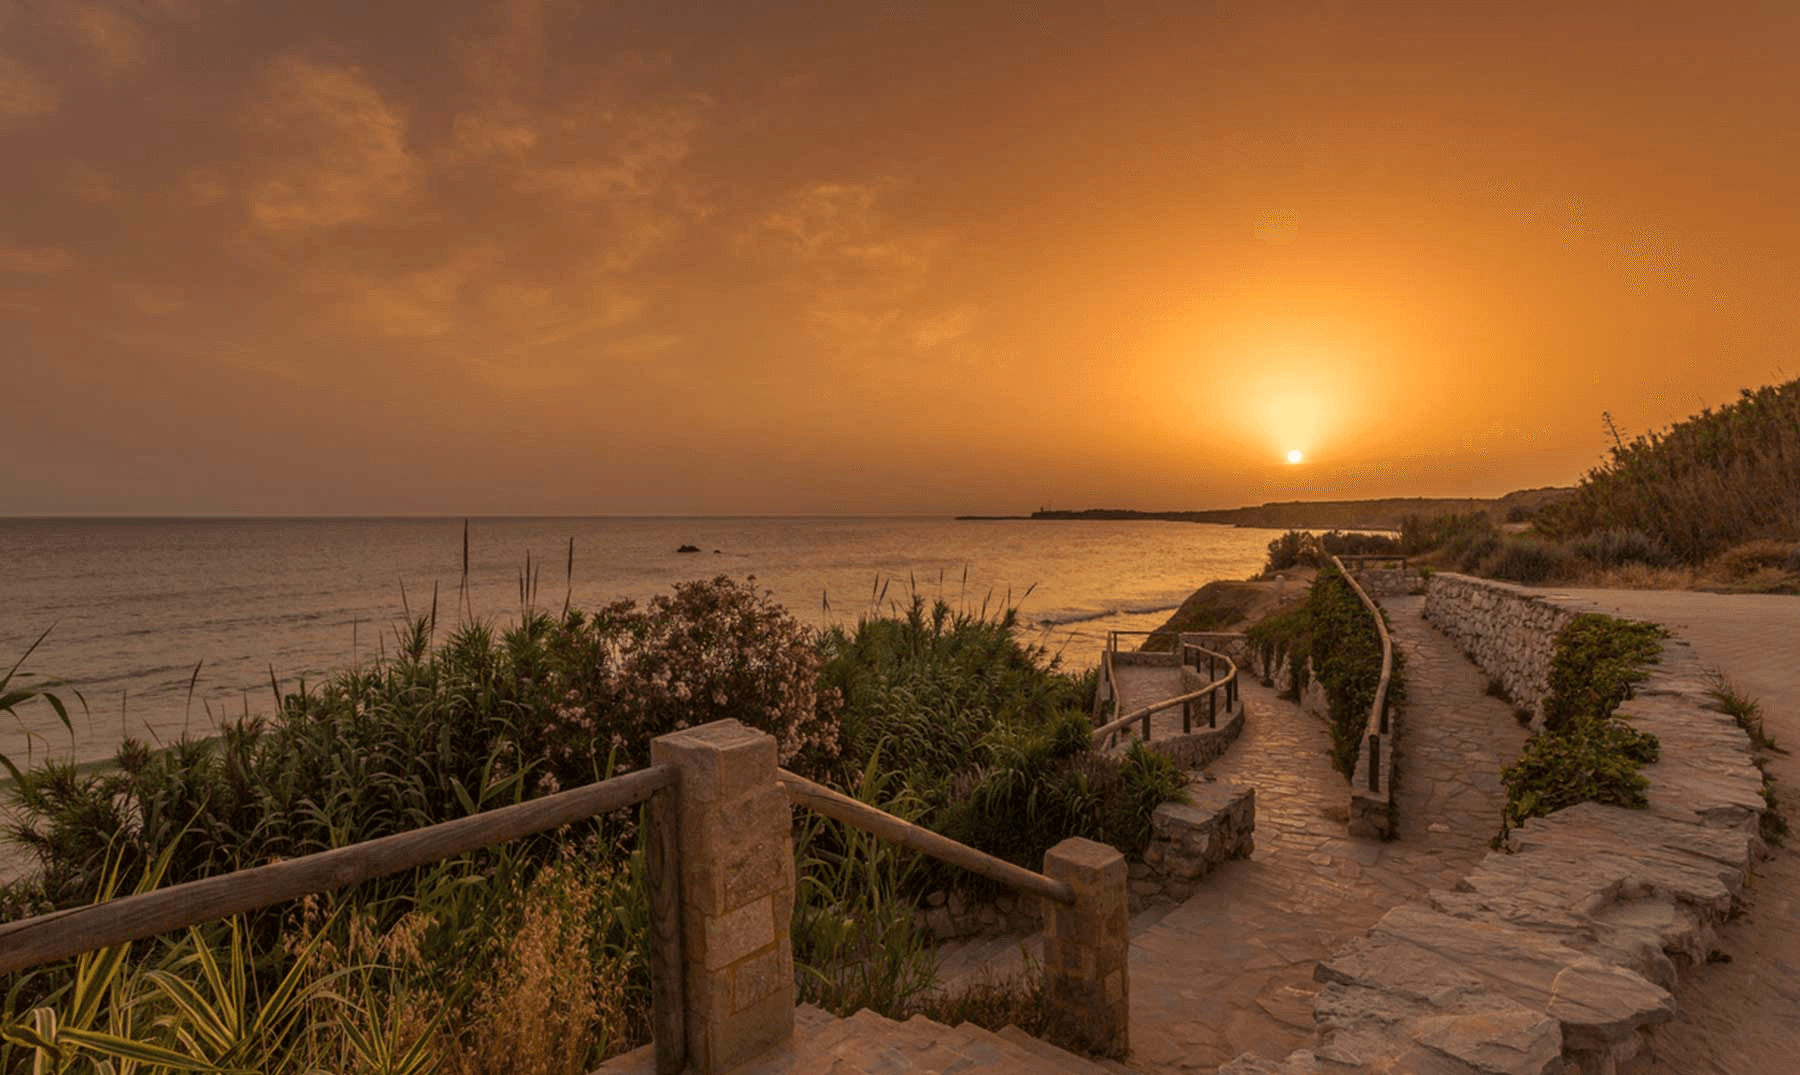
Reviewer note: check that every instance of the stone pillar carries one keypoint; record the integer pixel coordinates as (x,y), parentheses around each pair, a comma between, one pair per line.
(737,892)
(1087,947)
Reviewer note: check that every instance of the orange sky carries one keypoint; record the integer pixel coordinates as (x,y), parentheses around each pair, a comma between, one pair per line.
(847,257)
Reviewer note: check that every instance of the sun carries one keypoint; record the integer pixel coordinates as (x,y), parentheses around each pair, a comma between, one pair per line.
(1293,456)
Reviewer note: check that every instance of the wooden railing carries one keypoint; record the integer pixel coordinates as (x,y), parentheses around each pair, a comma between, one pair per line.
(1228,684)
(823,800)
(1369,766)
(63,934)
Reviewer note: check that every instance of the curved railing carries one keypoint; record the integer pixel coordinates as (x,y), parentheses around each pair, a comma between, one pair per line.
(1227,683)
(1373,770)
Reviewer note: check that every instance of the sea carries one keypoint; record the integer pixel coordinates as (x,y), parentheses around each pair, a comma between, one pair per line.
(163,627)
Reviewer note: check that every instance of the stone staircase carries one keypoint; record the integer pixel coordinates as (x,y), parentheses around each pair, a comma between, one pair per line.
(870,1044)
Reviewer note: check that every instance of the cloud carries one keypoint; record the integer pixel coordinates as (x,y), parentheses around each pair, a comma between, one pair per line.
(476,137)
(153,300)
(858,274)
(619,153)
(24,95)
(335,152)
(112,41)
(90,184)
(34,260)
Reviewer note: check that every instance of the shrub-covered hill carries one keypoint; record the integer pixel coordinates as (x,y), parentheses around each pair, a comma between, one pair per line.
(1718,479)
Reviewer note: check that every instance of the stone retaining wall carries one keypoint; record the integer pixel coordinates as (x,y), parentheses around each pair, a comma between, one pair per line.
(1381,582)
(1554,956)
(1190,840)
(1510,631)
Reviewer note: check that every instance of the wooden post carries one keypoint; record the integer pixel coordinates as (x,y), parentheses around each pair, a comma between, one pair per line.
(1212,710)
(1374,763)
(1147,715)
(661,835)
(1187,716)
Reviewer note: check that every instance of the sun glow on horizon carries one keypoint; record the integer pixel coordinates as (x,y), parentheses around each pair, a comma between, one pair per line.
(1294,455)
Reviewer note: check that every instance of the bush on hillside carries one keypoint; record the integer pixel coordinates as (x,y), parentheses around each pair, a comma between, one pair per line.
(1718,479)
(1303,548)
(1452,532)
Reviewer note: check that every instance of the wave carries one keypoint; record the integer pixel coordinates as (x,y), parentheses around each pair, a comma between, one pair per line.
(1063,617)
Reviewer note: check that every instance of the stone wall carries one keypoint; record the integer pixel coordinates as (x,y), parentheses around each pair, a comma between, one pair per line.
(1379,582)
(1508,630)
(1190,840)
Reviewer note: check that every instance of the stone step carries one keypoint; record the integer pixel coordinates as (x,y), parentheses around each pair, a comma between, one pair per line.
(1057,1057)
(870,1044)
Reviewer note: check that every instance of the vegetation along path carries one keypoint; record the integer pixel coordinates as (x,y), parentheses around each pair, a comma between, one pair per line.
(1230,970)
(1741,1015)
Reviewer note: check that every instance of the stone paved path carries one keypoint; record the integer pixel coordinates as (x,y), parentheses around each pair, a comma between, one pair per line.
(1142,685)
(1230,970)
(1740,1017)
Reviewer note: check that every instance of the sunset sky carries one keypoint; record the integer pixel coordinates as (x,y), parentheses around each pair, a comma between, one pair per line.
(860,257)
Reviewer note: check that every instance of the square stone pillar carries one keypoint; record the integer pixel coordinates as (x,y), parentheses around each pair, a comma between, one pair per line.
(1087,947)
(736,860)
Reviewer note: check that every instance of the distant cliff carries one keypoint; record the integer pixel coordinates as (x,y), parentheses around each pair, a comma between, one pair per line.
(1382,514)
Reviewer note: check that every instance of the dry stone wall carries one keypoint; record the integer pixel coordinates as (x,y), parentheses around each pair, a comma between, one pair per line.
(1508,630)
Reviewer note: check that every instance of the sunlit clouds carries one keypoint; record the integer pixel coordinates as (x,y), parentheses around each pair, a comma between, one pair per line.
(642,257)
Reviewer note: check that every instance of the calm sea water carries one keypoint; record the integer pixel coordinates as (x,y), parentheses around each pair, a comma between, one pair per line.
(134,605)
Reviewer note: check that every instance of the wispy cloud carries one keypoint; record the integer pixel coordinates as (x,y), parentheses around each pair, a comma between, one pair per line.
(25,95)
(333,151)
(34,260)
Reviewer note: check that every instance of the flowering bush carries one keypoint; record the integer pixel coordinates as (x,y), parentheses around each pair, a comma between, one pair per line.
(712,650)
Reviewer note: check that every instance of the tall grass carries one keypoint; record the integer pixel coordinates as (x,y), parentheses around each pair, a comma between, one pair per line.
(1700,486)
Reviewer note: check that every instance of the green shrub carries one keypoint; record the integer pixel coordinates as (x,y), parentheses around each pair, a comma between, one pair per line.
(1584,753)
(1596,660)
(1617,546)
(1285,637)
(1588,760)
(1303,548)
(1528,561)
(1452,531)
(1346,656)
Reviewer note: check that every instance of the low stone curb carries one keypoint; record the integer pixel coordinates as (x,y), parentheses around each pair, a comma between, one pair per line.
(1557,955)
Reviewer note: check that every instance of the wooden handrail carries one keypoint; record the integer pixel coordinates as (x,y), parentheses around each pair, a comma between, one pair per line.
(66,933)
(1169,703)
(1375,723)
(818,797)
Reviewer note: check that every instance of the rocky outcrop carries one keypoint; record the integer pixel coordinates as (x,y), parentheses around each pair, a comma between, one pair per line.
(1557,953)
